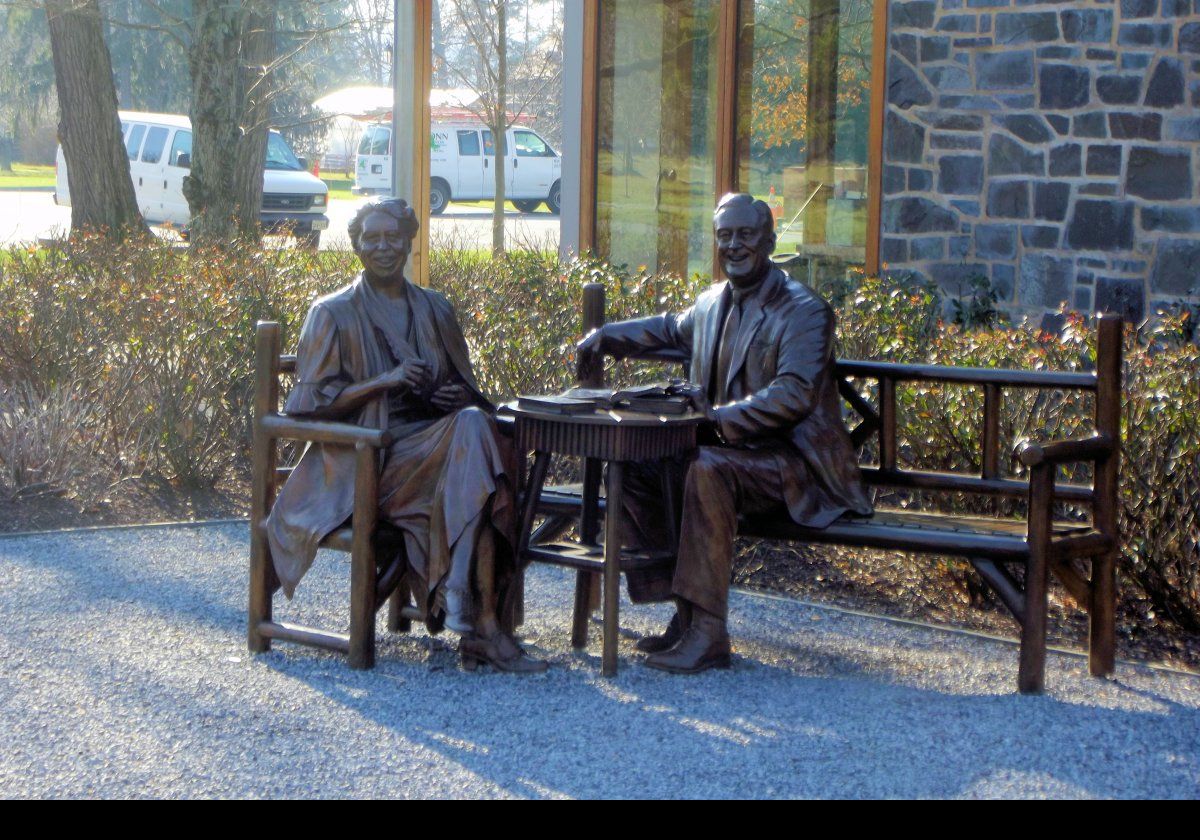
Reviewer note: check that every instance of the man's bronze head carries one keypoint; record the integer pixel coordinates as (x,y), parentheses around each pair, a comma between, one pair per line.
(745,233)
(381,233)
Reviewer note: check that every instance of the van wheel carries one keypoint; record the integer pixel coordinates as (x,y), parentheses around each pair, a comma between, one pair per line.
(439,196)
(526,205)
(309,241)
(554,200)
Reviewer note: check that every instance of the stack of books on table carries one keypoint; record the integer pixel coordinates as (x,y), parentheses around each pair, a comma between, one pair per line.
(646,399)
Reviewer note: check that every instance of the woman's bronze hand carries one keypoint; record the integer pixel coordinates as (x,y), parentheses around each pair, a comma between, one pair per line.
(451,397)
(412,374)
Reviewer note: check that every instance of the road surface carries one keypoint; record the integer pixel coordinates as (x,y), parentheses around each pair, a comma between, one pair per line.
(29,215)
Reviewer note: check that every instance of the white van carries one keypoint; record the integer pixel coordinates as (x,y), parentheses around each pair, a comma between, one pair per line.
(461,161)
(160,152)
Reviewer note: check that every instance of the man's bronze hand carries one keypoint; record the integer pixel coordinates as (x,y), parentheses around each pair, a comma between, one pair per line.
(588,354)
(451,397)
(698,397)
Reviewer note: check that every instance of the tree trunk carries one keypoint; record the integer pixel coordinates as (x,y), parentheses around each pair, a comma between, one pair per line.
(89,129)
(500,126)
(258,53)
(218,92)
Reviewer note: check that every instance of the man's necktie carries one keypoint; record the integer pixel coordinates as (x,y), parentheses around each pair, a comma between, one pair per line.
(729,335)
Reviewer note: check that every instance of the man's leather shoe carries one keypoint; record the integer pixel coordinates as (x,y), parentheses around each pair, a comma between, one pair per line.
(669,638)
(698,650)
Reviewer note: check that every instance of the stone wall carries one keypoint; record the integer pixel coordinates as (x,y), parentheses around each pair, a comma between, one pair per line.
(1052,148)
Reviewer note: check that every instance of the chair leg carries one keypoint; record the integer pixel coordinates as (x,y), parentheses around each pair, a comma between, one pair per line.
(362,560)
(1102,616)
(401,598)
(262,584)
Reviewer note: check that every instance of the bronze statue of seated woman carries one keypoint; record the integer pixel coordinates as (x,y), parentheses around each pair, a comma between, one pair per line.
(387,354)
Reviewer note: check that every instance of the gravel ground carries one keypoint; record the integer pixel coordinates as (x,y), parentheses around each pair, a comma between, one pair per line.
(125,675)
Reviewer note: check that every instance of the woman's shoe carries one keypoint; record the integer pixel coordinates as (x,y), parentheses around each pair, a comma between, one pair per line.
(501,652)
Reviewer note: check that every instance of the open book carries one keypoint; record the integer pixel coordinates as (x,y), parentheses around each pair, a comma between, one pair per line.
(662,398)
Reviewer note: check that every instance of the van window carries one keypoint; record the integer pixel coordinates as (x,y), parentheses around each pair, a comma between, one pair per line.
(155,140)
(181,145)
(489,148)
(375,141)
(530,145)
(468,143)
(279,156)
(135,140)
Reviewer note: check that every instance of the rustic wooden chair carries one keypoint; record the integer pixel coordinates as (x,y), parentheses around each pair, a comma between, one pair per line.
(371,583)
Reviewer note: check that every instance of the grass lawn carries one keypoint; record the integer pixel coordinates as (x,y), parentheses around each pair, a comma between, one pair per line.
(27,175)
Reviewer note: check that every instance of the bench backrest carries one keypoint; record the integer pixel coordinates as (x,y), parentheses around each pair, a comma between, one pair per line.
(880,423)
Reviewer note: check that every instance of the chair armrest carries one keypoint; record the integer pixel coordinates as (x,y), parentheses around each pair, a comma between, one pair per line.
(321,431)
(1092,448)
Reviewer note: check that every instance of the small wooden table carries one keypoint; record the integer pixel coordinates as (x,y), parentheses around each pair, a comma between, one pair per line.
(615,437)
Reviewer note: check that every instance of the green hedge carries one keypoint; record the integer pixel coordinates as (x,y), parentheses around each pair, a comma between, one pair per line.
(125,360)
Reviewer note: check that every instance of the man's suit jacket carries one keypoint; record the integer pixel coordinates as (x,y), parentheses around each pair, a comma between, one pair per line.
(781,382)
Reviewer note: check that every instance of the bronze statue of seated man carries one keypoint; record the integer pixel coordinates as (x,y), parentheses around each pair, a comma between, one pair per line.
(762,368)
(387,354)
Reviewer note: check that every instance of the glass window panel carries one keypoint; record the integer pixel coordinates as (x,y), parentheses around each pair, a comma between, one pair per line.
(468,143)
(530,145)
(656,133)
(155,140)
(804,71)
(135,141)
(181,145)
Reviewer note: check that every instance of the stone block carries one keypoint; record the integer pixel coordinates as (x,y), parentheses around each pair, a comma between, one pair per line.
(1008,199)
(995,242)
(905,86)
(950,77)
(1008,157)
(1050,200)
(1066,160)
(1183,128)
(916,14)
(894,179)
(1004,278)
(1104,160)
(1122,295)
(1119,90)
(907,45)
(1059,123)
(920,180)
(1101,225)
(951,122)
(956,23)
(893,250)
(1141,126)
(1045,280)
(1063,86)
(914,214)
(1166,84)
(1026,27)
(1144,35)
(1004,71)
(935,48)
(1087,26)
(960,174)
(905,139)
(1041,237)
(927,248)
(1093,124)
(1177,268)
(1159,173)
(1098,189)
(1170,219)
(1029,127)
(1189,38)
(1131,9)
(960,142)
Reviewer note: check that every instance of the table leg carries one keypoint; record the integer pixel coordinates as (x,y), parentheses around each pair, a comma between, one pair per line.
(587,583)
(511,610)
(612,568)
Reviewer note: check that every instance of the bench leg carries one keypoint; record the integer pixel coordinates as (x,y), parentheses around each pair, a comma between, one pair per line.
(1102,618)
(1032,669)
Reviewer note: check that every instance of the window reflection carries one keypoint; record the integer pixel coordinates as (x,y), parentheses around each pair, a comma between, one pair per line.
(804,69)
(656,138)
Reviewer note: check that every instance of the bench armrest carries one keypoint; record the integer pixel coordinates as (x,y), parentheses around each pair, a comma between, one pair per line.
(322,431)
(1092,448)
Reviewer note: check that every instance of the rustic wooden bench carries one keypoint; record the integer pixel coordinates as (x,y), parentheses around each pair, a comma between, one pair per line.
(372,583)
(1040,543)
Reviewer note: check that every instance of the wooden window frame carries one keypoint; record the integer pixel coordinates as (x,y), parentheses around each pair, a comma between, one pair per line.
(726,151)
